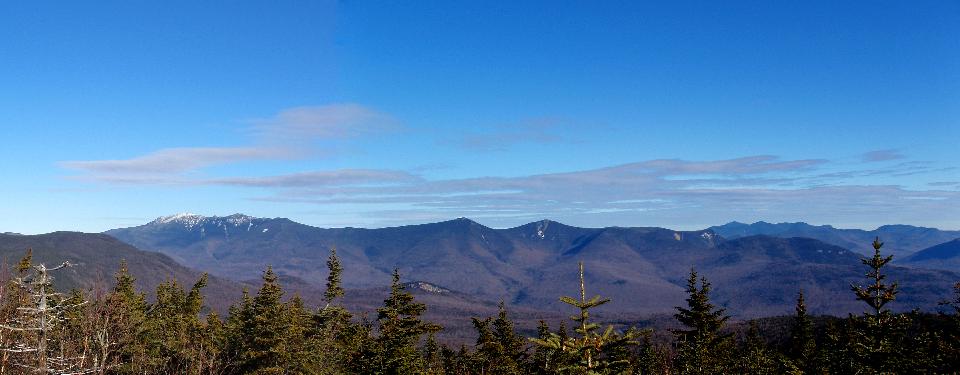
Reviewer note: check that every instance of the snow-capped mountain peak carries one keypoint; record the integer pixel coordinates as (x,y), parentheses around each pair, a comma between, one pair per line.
(184,218)
(191,221)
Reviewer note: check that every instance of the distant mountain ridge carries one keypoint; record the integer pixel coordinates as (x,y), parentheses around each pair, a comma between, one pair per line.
(643,269)
(942,256)
(900,240)
(96,258)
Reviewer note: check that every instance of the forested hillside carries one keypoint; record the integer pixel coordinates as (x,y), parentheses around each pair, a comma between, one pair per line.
(268,331)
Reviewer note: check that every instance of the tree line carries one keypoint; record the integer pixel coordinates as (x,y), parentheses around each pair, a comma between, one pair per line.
(120,331)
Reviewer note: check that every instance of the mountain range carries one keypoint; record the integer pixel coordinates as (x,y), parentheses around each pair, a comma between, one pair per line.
(642,269)
(900,240)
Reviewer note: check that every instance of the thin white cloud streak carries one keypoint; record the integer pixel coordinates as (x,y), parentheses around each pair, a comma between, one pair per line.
(657,192)
(882,155)
(536,131)
(321,178)
(287,135)
(334,121)
(176,160)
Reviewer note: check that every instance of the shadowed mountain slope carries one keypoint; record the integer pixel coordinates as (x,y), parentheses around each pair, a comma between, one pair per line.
(945,256)
(899,240)
(642,269)
(96,259)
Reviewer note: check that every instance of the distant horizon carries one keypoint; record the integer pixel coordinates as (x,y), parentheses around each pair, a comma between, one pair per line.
(148,221)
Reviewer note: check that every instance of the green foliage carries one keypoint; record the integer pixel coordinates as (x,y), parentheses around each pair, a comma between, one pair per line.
(594,352)
(701,347)
(120,331)
(127,309)
(499,349)
(755,357)
(334,289)
(394,351)
(176,340)
(334,339)
(879,334)
(268,323)
(803,347)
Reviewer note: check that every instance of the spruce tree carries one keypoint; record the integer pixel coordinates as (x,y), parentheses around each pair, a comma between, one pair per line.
(238,331)
(400,331)
(334,338)
(880,333)
(334,289)
(433,355)
(486,351)
(756,358)
(214,355)
(803,348)
(951,346)
(542,360)
(173,330)
(702,347)
(302,356)
(512,346)
(499,349)
(593,349)
(127,310)
(332,320)
(836,355)
(267,352)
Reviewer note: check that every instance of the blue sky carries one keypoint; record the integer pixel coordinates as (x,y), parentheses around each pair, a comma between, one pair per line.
(676,114)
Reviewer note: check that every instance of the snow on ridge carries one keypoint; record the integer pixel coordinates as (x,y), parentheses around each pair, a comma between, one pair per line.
(191,221)
(183,218)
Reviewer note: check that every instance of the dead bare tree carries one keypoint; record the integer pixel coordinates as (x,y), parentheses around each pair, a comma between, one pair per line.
(36,322)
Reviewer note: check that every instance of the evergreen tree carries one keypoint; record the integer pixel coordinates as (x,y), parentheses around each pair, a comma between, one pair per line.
(214,354)
(267,352)
(486,350)
(701,348)
(433,355)
(803,348)
(652,359)
(593,350)
(756,358)
(238,332)
(512,346)
(835,355)
(332,319)
(880,333)
(334,289)
(175,335)
(542,360)
(126,311)
(400,331)
(499,349)
(951,346)
(302,356)
(334,338)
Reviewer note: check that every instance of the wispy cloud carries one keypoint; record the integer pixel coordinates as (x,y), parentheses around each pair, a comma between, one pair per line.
(499,138)
(324,122)
(882,155)
(176,160)
(286,135)
(342,177)
(660,192)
